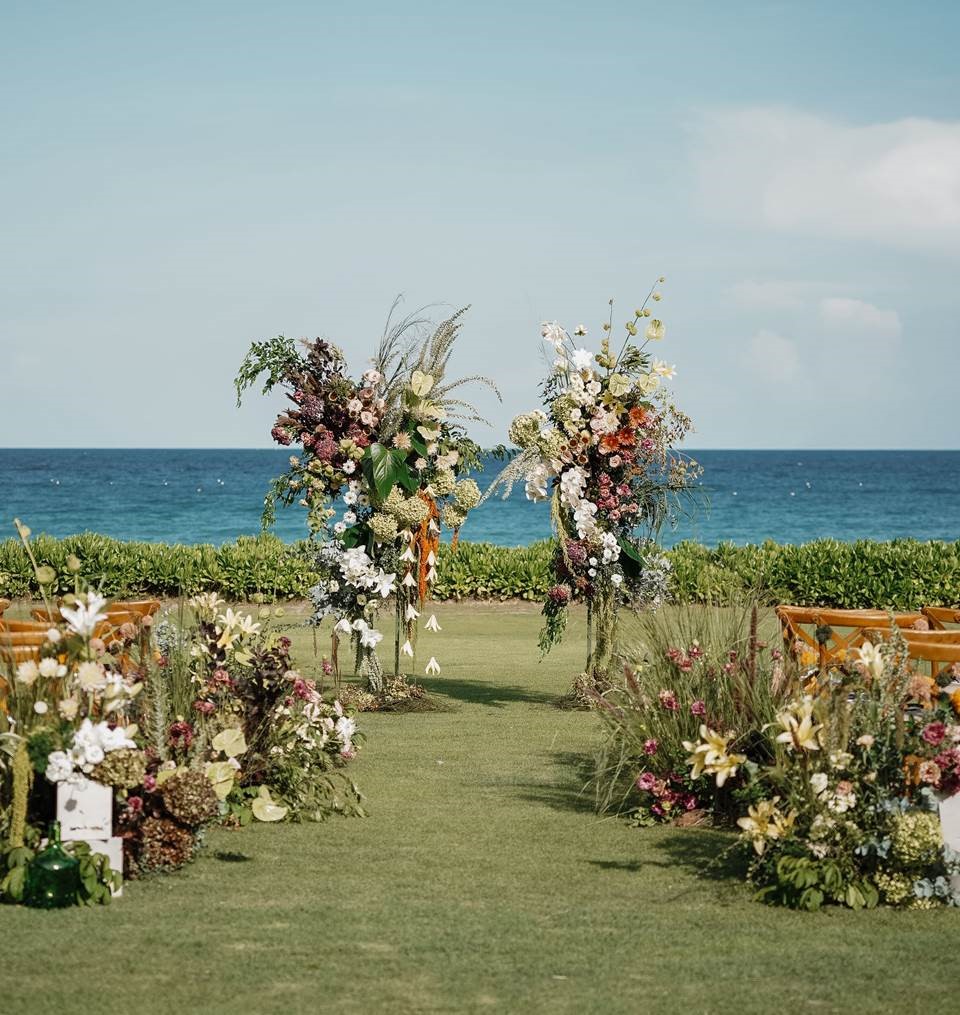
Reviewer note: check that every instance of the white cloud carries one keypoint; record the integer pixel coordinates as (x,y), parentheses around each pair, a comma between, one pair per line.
(897,183)
(772,295)
(844,314)
(774,357)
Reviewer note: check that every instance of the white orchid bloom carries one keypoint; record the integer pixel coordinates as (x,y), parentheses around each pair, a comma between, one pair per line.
(408,555)
(370,638)
(408,580)
(407,649)
(433,667)
(411,613)
(431,559)
(431,624)
(432,575)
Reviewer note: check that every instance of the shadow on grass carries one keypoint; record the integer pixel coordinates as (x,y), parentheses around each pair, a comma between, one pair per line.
(482,692)
(225,856)
(706,852)
(570,790)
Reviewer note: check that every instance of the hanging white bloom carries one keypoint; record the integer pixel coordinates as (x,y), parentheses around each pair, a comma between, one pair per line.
(411,613)
(408,580)
(370,638)
(343,626)
(433,527)
(408,555)
(360,624)
(431,624)
(431,559)
(433,667)
(407,649)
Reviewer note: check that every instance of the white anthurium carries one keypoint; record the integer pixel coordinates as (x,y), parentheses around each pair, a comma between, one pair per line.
(412,613)
(407,649)
(433,667)
(431,624)
(409,580)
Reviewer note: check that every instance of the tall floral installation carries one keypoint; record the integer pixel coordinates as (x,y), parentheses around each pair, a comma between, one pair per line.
(136,735)
(602,450)
(381,470)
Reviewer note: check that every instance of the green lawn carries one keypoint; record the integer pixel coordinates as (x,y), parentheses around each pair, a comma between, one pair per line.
(481,881)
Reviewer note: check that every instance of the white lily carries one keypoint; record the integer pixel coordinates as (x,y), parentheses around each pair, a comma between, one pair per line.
(433,667)
(431,624)
(84,618)
(384,583)
(370,638)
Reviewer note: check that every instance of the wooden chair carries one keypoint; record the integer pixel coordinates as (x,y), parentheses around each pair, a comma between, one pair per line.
(834,647)
(938,648)
(4,603)
(20,626)
(19,646)
(940,616)
(141,607)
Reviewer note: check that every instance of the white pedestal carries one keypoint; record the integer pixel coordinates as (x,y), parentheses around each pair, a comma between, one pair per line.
(950,825)
(113,850)
(85,810)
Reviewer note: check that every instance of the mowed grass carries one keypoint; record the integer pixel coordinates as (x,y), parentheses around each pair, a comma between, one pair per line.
(481,881)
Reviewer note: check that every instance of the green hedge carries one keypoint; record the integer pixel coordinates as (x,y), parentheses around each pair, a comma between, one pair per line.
(901,575)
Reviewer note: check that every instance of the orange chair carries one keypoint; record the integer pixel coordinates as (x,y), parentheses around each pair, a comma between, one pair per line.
(19,646)
(4,603)
(22,626)
(939,648)
(835,647)
(940,616)
(141,607)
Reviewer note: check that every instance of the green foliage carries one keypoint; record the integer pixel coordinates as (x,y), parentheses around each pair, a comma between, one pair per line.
(802,882)
(275,357)
(901,575)
(96,880)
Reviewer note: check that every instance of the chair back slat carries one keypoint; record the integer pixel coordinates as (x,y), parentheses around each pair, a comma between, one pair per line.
(940,616)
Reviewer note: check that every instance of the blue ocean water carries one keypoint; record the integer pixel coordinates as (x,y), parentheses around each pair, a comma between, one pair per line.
(214,496)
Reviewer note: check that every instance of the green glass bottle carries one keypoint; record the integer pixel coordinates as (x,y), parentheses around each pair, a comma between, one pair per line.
(53,877)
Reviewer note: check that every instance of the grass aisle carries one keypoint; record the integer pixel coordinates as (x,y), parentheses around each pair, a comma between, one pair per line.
(482,881)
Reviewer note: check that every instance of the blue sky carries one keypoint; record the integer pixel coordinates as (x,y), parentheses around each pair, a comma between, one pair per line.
(181,179)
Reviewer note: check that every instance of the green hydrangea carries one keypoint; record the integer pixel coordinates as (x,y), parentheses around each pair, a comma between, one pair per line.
(896,888)
(412,512)
(393,505)
(125,769)
(467,495)
(444,482)
(917,839)
(452,516)
(383,527)
(552,443)
(562,407)
(525,429)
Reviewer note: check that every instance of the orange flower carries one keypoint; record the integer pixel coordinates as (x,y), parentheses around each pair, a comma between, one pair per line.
(609,443)
(627,438)
(955,701)
(638,416)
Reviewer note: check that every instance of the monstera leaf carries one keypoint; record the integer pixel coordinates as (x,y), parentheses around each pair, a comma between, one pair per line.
(231,742)
(264,809)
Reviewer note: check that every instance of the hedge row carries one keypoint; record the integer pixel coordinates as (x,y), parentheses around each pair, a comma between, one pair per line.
(900,575)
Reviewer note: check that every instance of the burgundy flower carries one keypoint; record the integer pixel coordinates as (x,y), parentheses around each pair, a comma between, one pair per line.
(135,803)
(698,707)
(650,746)
(280,435)
(204,707)
(559,594)
(180,735)
(934,733)
(668,700)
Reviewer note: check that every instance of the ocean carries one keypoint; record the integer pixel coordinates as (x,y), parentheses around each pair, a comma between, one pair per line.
(213,496)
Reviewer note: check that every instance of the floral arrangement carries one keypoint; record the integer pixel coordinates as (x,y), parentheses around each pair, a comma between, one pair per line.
(189,722)
(846,813)
(602,450)
(387,447)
